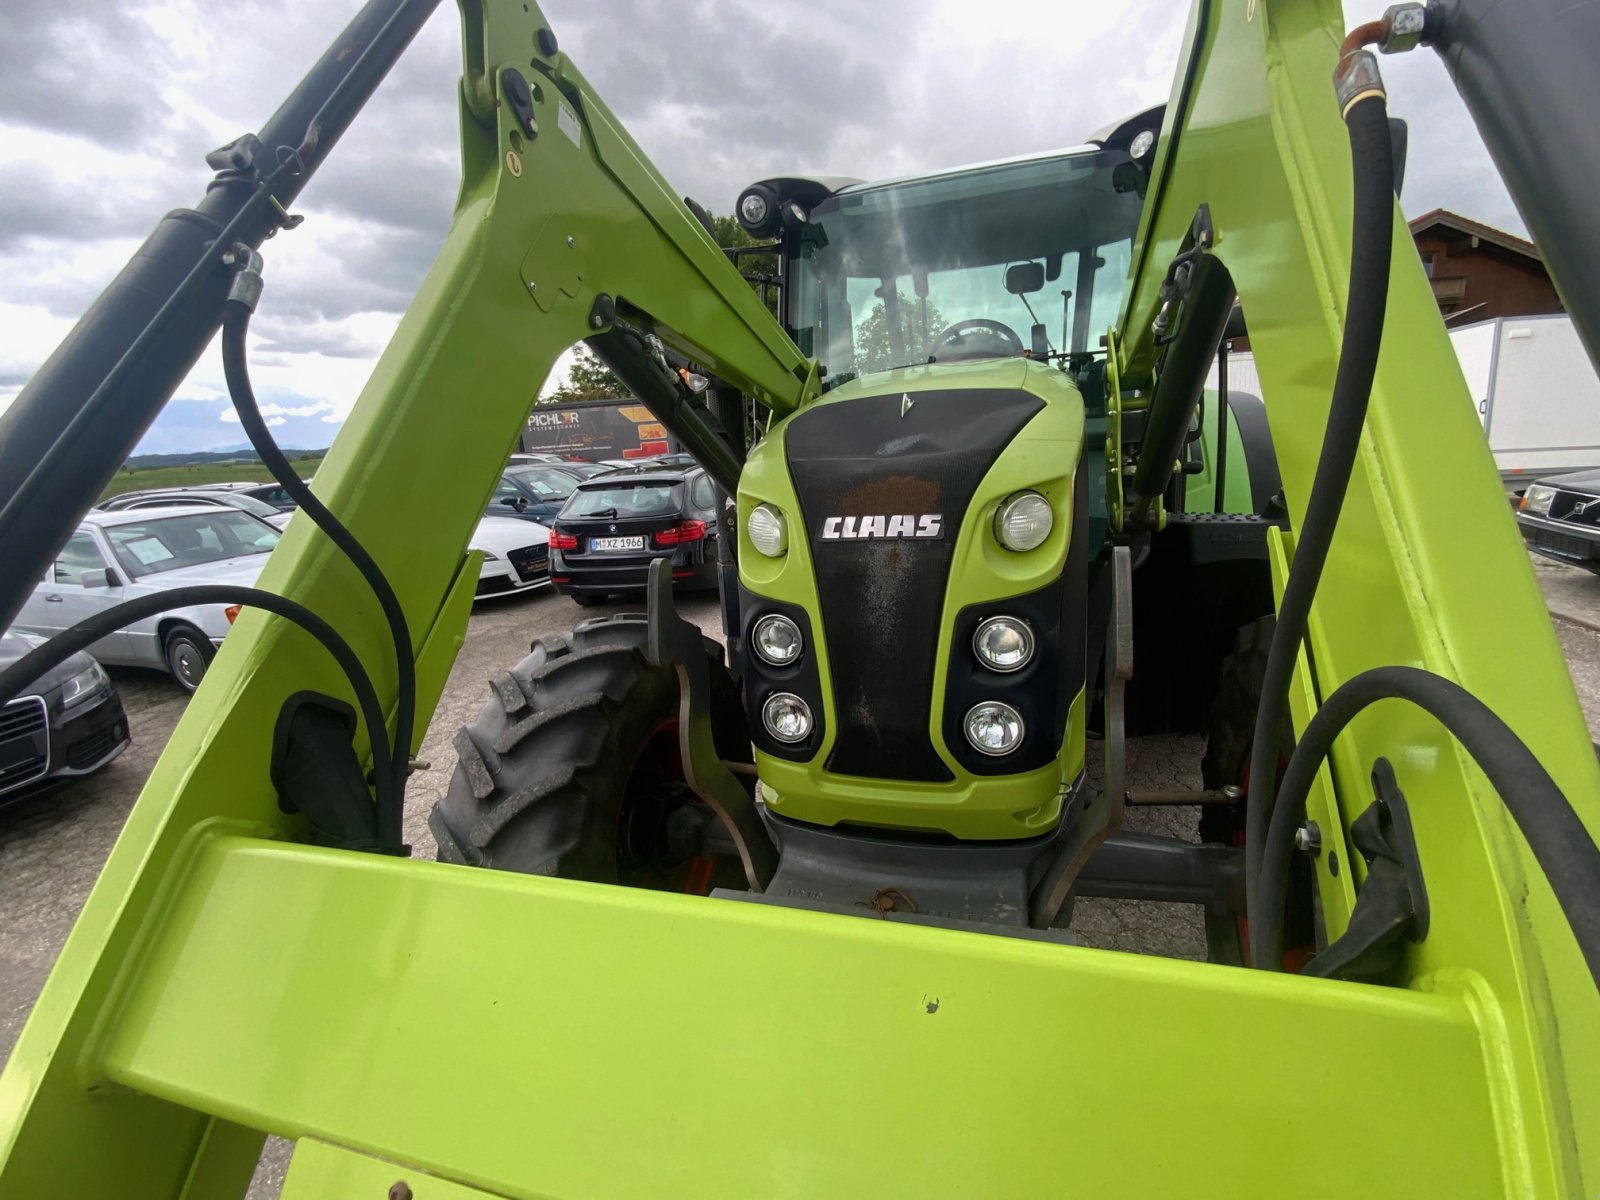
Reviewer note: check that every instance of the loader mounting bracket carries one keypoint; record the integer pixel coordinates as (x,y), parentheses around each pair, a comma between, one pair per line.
(1393,902)
(679,644)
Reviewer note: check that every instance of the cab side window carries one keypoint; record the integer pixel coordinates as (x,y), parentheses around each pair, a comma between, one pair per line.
(80,554)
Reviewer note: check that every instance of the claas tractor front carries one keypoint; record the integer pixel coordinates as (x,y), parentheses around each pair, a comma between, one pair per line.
(989,508)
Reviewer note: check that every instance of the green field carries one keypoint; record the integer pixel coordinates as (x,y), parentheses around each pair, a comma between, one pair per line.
(202,473)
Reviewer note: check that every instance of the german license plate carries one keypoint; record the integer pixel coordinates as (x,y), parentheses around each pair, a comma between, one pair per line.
(617,543)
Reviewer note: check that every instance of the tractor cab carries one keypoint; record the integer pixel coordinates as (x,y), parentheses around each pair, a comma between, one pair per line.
(1021,258)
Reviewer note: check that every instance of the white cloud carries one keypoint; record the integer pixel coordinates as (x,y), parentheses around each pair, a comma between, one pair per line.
(716,92)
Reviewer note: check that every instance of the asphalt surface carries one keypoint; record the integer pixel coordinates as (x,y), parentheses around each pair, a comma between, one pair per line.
(52,846)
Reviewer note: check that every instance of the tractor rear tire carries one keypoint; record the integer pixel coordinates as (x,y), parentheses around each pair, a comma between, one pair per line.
(1230,736)
(572,769)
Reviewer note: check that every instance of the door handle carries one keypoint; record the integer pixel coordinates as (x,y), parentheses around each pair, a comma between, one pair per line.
(53,599)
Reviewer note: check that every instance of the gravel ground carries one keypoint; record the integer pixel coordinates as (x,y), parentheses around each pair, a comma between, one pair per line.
(52,846)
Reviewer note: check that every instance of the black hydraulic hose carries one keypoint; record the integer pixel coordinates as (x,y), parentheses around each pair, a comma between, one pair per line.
(87,632)
(83,410)
(1558,839)
(397,765)
(1371,243)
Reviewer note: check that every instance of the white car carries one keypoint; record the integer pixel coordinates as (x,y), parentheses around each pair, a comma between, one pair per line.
(211,496)
(516,555)
(117,556)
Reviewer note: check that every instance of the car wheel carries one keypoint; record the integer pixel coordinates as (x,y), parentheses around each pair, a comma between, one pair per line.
(589,599)
(188,653)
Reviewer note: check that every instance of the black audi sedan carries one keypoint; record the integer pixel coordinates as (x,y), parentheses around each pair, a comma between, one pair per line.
(613,526)
(69,722)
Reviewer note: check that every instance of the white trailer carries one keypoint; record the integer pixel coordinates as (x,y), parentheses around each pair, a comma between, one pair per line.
(1537,395)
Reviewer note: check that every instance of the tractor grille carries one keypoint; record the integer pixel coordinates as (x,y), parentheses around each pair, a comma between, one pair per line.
(531,563)
(1576,508)
(883,598)
(24,742)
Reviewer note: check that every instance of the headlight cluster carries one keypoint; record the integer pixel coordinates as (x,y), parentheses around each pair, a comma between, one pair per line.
(1536,500)
(776,640)
(1003,644)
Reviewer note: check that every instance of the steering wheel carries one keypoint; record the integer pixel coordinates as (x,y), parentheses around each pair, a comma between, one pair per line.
(953,335)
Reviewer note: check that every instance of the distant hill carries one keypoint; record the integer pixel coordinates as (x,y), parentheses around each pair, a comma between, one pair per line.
(201,467)
(193,458)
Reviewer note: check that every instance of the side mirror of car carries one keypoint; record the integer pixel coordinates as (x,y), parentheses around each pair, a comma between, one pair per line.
(98,578)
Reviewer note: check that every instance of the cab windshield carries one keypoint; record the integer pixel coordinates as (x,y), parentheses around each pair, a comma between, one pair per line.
(900,274)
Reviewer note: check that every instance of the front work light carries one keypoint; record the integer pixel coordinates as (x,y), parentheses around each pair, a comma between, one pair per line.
(787,717)
(766,530)
(1003,643)
(1023,521)
(993,728)
(776,640)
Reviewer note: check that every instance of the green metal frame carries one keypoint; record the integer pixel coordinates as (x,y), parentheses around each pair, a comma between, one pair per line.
(537,1037)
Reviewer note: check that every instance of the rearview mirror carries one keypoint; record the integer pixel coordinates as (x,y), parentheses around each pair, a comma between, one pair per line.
(1024,278)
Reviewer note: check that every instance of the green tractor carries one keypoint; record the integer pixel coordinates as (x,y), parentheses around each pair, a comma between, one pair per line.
(931,561)
(991,507)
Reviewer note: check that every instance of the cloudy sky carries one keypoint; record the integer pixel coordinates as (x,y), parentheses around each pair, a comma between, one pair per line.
(107,110)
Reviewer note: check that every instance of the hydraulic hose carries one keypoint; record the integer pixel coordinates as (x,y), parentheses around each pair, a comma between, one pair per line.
(1557,837)
(87,632)
(235,365)
(1366,116)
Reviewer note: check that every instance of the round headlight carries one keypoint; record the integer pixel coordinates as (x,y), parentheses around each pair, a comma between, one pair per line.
(787,717)
(1003,643)
(754,209)
(1143,142)
(777,640)
(767,534)
(1023,521)
(993,728)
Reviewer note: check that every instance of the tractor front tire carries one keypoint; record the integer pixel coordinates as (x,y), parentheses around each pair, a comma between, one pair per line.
(572,769)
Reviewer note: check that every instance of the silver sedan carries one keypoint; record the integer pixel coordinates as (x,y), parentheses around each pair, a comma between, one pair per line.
(117,556)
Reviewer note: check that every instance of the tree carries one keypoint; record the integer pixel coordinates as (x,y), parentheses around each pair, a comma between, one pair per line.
(589,379)
(918,329)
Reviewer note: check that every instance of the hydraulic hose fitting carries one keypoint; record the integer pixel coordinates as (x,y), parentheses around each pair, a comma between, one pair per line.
(1405,28)
(246,262)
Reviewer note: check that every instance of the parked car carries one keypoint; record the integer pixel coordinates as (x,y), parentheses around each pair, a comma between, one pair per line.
(524,460)
(585,470)
(1559,516)
(273,494)
(533,493)
(69,722)
(230,496)
(117,556)
(614,526)
(516,555)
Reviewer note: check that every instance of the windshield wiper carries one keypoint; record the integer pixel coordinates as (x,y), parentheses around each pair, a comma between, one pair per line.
(602,512)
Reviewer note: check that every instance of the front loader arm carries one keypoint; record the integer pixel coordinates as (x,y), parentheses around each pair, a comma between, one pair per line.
(546,221)
(533,1037)
(1426,567)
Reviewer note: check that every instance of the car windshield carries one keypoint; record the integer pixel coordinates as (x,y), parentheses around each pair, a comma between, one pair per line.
(547,483)
(625,498)
(167,543)
(894,275)
(251,505)
(585,470)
